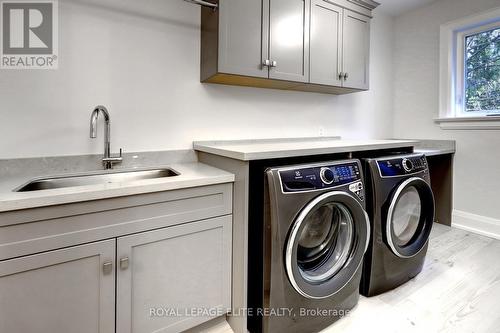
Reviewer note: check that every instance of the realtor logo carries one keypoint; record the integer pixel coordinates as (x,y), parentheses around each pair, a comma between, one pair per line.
(29,34)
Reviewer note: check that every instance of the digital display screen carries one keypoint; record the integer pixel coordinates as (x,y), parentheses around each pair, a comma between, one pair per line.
(391,168)
(345,173)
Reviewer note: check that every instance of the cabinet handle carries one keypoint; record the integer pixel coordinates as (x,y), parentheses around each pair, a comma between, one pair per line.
(341,75)
(107,267)
(269,63)
(346,76)
(124,263)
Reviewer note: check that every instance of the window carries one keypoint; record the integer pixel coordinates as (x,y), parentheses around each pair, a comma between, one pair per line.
(470,72)
(482,72)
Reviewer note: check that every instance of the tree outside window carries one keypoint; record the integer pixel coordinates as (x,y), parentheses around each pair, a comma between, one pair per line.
(482,72)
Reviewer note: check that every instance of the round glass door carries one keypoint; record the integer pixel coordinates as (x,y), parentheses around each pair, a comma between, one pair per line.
(326,244)
(410,217)
(406,216)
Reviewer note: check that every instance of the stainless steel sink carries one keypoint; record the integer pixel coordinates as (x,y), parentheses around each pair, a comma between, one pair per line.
(94,179)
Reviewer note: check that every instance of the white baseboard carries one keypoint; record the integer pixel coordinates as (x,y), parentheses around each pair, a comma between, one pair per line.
(478,224)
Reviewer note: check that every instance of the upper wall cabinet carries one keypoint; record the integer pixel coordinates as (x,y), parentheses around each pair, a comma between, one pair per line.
(308,45)
(237,31)
(356,50)
(326,43)
(339,46)
(286,26)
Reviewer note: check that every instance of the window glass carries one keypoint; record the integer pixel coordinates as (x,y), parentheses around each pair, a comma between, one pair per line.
(482,72)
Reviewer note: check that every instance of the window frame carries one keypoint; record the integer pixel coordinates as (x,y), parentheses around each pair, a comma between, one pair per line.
(452,114)
(461,64)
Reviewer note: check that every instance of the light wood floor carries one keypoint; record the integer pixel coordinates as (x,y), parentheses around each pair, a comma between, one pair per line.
(457,291)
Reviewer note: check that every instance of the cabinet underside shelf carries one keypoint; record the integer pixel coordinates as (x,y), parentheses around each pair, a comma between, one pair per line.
(247,81)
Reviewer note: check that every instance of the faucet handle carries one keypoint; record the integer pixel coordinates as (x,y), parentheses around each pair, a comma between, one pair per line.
(109,161)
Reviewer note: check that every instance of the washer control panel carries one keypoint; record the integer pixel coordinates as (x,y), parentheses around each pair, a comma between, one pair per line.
(322,177)
(358,189)
(401,166)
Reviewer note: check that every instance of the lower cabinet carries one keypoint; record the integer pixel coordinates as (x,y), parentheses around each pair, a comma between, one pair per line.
(166,280)
(172,279)
(70,290)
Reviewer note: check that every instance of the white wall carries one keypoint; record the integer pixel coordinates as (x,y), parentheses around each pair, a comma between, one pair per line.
(141,60)
(416,102)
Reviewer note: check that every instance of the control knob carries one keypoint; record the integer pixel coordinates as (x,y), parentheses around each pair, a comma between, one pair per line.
(326,176)
(407,165)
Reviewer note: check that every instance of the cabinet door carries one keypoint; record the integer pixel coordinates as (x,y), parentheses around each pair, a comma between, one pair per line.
(240,38)
(325,43)
(70,290)
(289,39)
(166,274)
(356,52)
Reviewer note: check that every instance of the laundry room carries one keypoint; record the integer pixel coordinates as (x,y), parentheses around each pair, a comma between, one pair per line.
(261,166)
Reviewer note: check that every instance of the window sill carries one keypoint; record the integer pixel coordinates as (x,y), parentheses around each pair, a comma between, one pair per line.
(469,123)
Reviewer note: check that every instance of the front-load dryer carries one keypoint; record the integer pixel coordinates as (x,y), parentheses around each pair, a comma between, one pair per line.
(400,204)
(315,235)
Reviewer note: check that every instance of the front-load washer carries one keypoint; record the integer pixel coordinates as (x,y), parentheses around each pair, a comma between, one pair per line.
(400,204)
(315,234)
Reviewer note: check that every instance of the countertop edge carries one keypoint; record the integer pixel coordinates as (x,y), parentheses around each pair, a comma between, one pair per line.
(436,147)
(100,193)
(435,152)
(198,146)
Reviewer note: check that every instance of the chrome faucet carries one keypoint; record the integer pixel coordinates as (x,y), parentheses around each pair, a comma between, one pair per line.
(107,160)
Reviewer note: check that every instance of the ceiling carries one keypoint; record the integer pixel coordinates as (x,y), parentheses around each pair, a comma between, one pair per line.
(397,7)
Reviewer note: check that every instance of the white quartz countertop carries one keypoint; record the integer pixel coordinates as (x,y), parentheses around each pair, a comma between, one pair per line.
(279,148)
(192,174)
(436,147)
(14,173)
